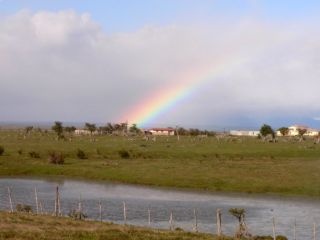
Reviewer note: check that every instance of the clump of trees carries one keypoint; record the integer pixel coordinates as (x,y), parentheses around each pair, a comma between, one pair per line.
(266,130)
(284,131)
(90,127)
(114,128)
(193,132)
(58,128)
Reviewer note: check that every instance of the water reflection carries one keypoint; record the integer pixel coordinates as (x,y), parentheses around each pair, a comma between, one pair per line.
(161,202)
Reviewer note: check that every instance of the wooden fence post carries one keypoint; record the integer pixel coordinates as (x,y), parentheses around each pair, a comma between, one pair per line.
(149,217)
(80,207)
(10,200)
(124,213)
(100,211)
(36,197)
(273,228)
(57,203)
(219,230)
(294,229)
(195,220)
(171,221)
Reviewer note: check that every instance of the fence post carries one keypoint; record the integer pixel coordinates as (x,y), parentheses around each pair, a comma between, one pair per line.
(80,207)
(36,197)
(195,220)
(124,213)
(100,211)
(273,228)
(10,200)
(41,207)
(56,202)
(294,229)
(171,221)
(149,217)
(219,230)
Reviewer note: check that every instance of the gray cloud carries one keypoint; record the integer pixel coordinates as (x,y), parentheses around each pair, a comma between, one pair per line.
(62,65)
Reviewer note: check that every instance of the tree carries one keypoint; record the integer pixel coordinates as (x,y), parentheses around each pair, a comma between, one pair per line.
(90,127)
(284,131)
(266,130)
(70,129)
(239,213)
(134,129)
(58,128)
(301,132)
(28,129)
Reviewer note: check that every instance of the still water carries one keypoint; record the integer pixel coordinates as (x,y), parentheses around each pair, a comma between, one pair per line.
(161,202)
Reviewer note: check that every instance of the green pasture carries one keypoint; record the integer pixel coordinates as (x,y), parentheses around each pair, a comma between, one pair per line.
(228,164)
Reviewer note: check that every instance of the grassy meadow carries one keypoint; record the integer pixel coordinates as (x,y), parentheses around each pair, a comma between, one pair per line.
(228,164)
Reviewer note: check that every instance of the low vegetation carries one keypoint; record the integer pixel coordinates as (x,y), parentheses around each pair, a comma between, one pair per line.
(56,158)
(1,150)
(216,163)
(29,227)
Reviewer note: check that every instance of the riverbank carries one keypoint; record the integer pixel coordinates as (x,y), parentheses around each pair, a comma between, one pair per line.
(16,226)
(218,165)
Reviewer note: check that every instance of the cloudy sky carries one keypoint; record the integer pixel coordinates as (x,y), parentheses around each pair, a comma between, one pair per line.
(240,63)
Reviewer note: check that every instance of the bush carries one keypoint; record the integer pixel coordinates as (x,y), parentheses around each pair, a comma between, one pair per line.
(124,153)
(81,154)
(34,154)
(75,214)
(1,150)
(24,208)
(20,151)
(56,158)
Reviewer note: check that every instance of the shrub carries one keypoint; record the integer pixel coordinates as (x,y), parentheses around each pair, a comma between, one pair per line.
(34,154)
(1,150)
(24,208)
(124,153)
(81,154)
(75,214)
(20,151)
(56,158)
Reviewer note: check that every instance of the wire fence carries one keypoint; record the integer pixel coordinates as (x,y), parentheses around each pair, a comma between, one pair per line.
(51,203)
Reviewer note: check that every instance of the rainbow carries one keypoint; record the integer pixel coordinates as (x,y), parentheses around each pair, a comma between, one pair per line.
(159,102)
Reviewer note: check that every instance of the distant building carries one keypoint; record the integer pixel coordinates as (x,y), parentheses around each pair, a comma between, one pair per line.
(294,131)
(84,132)
(160,131)
(249,133)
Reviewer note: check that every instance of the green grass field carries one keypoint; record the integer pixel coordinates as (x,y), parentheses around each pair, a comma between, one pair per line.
(230,164)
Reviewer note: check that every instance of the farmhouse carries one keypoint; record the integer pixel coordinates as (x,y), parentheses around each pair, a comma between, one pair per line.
(84,132)
(250,133)
(294,131)
(161,131)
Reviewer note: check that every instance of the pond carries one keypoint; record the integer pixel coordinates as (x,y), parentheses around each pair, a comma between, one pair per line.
(160,203)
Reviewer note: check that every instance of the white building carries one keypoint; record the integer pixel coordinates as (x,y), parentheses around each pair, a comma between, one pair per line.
(249,133)
(161,131)
(85,132)
(294,131)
